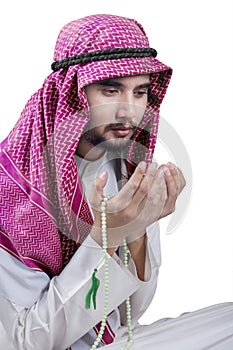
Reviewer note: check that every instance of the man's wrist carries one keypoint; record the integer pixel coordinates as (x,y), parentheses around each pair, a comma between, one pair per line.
(96,235)
(137,250)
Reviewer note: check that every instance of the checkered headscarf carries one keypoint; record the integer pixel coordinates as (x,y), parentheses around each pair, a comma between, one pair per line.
(44,216)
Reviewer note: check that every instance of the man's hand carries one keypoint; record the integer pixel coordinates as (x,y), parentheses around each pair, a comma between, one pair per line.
(138,204)
(147,197)
(175,183)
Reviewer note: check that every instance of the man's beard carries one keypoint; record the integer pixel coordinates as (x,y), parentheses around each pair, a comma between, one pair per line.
(117,144)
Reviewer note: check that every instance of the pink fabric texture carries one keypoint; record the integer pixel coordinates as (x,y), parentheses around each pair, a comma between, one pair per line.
(44,216)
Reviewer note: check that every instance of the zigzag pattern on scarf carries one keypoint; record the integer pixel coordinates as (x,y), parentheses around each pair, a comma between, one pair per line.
(30,226)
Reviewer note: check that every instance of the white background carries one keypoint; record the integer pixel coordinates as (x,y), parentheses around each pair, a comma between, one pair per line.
(195,39)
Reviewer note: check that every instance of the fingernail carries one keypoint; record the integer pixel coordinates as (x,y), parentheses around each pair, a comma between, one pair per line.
(171,165)
(160,173)
(154,165)
(142,165)
(102,176)
(167,172)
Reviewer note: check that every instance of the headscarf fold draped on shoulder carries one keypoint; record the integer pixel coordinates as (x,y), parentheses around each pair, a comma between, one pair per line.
(44,216)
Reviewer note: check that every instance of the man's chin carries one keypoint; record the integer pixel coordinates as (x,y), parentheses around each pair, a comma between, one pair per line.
(115,145)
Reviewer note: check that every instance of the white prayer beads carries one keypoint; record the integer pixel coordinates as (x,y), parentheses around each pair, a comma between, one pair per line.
(106,272)
(106,281)
(127,303)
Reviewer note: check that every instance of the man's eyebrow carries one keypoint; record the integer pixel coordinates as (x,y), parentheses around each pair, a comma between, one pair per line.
(143,86)
(114,82)
(109,82)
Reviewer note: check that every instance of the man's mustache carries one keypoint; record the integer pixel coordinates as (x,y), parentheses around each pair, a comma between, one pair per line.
(120,125)
(112,126)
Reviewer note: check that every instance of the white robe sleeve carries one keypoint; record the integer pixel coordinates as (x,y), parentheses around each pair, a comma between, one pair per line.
(142,298)
(57,318)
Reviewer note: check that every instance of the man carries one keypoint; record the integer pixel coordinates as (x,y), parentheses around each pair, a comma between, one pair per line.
(90,132)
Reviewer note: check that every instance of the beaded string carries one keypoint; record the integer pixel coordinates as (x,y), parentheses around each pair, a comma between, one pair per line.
(127,302)
(106,281)
(106,271)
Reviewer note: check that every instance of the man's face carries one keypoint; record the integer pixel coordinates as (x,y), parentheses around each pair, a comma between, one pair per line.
(117,107)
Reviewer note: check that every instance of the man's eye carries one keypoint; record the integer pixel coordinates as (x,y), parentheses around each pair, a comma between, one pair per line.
(141,92)
(110,91)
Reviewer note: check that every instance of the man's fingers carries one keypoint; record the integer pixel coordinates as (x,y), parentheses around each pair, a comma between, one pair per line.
(156,196)
(145,188)
(175,182)
(127,192)
(178,176)
(100,183)
(97,190)
(172,181)
(182,179)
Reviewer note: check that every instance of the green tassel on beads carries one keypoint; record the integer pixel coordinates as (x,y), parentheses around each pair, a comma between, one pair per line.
(92,291)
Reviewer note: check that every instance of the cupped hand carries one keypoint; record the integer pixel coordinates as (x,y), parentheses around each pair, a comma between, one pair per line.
(138,204)
(175,183)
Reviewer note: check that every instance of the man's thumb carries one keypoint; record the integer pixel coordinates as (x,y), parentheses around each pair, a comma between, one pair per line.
(100,182)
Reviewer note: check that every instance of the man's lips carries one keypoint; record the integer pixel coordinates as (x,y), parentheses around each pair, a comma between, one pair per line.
(122,130)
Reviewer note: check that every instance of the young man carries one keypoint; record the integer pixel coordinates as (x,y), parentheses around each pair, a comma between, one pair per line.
(90,132)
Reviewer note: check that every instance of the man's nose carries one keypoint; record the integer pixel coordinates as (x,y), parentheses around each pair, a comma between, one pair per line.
(126,109)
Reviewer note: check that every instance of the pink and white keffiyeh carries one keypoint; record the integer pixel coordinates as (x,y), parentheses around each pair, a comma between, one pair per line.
(44,216)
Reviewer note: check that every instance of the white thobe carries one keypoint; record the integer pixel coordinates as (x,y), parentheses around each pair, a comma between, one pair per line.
(38,313)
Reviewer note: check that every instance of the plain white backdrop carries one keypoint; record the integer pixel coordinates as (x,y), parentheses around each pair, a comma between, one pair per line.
(195,39)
